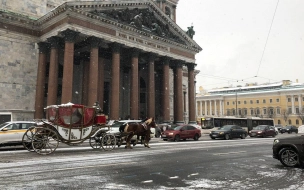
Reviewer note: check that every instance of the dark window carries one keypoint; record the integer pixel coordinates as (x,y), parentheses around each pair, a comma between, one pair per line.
(270,100)
(278,100)
(264,101)
(289,99)
(257,101)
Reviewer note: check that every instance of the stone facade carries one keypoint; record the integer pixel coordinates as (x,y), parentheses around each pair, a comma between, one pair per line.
(18,74)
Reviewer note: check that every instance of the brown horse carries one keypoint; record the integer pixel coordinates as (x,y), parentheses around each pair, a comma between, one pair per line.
(139,129)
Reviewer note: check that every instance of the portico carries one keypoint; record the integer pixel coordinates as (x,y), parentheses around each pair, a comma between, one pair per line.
(89,52)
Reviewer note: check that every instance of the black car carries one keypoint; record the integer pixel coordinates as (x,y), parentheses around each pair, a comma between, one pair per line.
(228,132)
(290,151)
(289,129)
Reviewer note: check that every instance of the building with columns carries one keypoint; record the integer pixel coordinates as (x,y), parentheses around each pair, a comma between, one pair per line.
(129,55)
(283,101)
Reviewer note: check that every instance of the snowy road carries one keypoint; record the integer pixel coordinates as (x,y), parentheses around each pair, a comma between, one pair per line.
(233,164)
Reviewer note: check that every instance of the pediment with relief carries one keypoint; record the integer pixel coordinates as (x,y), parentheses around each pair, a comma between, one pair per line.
(144,16)
(141,19)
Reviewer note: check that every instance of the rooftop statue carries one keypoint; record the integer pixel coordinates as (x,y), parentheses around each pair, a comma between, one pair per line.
(190,32)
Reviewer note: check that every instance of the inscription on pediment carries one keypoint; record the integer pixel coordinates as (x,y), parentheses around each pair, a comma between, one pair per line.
(141,19)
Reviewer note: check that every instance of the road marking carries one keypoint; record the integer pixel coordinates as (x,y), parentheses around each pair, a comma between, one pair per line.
(230,153)
(193,174)
(175,177)
(148,181)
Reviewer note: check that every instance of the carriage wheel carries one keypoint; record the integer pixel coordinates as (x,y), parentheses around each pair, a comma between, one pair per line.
(45,141)
(95,142)
(27,138)
(108,142)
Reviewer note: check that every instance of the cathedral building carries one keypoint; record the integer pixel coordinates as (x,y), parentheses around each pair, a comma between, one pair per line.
(128,55)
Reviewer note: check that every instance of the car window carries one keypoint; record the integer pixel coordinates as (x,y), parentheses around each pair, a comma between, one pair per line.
(191,128)
(12,126)
(26,125)
(177,128)
(226,127)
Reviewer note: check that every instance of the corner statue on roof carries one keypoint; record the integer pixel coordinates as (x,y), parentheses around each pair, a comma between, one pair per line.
(190,32)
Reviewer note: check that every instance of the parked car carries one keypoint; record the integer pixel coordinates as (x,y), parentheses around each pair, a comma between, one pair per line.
(11,132)
(263,131)
(229,132)
(290,151)
(289,129)
(181,132)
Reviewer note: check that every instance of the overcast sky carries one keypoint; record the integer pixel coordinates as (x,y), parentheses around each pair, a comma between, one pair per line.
(233,35)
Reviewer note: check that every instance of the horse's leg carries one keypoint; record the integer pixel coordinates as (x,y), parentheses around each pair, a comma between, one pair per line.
(129,140)
(147,139)
(135,143)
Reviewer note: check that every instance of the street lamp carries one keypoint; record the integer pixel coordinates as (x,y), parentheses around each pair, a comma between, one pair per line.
(236,111)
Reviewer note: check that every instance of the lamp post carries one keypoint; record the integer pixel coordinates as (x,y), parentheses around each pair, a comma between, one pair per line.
(236,111)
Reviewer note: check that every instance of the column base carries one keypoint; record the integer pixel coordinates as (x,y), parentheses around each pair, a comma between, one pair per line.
(179,122)
(192,122)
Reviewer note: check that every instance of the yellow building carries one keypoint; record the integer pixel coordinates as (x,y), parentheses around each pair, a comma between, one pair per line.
(281,101)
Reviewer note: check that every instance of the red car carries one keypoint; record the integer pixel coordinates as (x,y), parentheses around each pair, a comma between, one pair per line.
(181,132)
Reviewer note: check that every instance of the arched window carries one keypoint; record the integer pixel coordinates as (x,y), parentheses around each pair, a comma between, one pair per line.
(279,121)
(289,122)
(297,122)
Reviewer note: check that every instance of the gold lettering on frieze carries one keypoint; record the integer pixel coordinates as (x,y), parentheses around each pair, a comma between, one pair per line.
(140,41)
(123,35)
(130,38)
(151,44)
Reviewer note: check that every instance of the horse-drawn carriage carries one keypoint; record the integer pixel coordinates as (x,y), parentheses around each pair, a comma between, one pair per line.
(70,124)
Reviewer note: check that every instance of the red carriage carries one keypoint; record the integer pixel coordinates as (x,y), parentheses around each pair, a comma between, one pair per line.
(70,124)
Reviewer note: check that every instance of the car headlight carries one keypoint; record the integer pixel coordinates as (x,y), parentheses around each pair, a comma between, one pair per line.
(221,133)
(259,131)
(276,141)
(170,133)
(249,131)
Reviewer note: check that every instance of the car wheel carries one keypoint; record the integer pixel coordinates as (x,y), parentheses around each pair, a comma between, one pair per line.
(212,138)
(289,157)
(264,135)
(243,136)
(196,137)
(227,137)
(164,139)
(177,138)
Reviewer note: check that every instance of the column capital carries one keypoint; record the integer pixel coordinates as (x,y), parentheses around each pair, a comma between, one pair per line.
(190,66)
(94,41)
(69,35)
(43,47)
(152,56)
(55,41)
(115,47)
(135,52)
(177,64)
